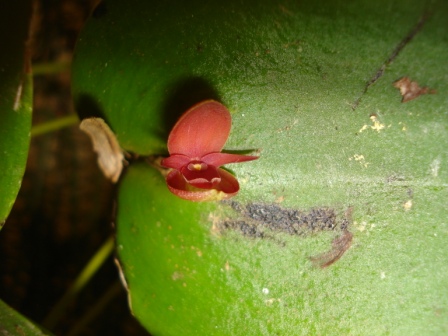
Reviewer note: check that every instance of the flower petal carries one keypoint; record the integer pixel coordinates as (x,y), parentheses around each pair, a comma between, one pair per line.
(176,161)
(219,159)
(229,184)
(203,129)
(180,187)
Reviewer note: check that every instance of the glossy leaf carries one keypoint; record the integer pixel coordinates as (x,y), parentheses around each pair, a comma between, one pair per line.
(13,323)
(15,100)
(310,84)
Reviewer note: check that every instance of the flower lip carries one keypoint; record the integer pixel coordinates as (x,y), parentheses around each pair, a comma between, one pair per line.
(228,187)
(201,178)
(195,145)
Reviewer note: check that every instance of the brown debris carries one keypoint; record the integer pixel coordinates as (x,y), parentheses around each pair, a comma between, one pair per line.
(338,247)
(410,89)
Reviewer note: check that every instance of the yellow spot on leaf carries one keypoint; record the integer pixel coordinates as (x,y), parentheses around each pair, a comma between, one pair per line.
(177,275)
(407,205)
(361,159)
(363,128)
(403,126)
(376,124)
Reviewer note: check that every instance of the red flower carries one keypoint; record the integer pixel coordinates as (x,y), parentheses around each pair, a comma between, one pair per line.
(195,145)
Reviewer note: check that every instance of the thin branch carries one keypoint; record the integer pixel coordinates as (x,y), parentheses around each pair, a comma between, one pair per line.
(83,278)
(392,57)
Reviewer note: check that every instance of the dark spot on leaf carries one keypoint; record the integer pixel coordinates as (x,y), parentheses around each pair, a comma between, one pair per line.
(395,177)
(339,244)
(244,227)
(256,219)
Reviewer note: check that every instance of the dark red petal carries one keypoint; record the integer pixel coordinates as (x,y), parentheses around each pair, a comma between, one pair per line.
(179,187)
(205,178)
(176,161)
(203,129)
(219,159)
(229,184)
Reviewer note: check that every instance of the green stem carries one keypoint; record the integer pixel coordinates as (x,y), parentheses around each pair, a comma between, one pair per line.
(50,68)
(96,310)
(86,274)
(54,125)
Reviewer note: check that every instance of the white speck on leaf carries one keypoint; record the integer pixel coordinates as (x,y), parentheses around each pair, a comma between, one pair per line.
(434,167)
(18,98)
(359,158)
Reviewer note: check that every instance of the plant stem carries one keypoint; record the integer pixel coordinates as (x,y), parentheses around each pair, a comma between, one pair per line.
(50,68)
(86,274)
(54,125)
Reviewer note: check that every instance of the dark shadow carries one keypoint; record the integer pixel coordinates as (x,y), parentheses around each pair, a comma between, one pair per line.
(86,106)
(184,94)
(100,10)
(252,151)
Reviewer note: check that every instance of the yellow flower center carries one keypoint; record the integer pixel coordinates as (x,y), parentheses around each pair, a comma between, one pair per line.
(198,166)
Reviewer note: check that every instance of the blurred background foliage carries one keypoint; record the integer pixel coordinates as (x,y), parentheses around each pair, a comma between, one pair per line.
(62,213)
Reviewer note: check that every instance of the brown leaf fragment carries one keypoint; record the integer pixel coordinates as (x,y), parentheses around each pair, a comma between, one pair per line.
(410,89)
(338,247)
(105,144)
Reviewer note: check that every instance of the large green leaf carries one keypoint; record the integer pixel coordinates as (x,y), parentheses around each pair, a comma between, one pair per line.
(15,100)
(295,76)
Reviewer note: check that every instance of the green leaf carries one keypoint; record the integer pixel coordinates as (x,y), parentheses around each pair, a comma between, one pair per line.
(13,323)
(311,85)
(15,100)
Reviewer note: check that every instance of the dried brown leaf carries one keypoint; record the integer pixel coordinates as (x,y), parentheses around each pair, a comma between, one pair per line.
(410,89)
(105,144)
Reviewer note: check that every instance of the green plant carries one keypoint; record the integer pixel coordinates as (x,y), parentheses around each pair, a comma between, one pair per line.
(343,161)
(338,228)
(16,100)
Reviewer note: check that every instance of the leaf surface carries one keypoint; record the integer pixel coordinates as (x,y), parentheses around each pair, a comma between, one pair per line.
(309,84)
(15,101)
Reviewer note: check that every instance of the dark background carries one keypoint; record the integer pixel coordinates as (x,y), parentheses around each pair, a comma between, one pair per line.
(64,209)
